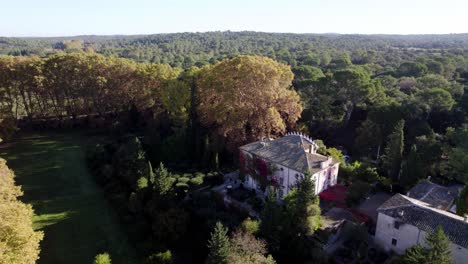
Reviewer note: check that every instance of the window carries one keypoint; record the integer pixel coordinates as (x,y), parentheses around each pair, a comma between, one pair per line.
(281,180)
(396,225)
(282,169)
(394,241)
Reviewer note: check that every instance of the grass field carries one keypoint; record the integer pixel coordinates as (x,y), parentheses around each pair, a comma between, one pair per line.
(70,208)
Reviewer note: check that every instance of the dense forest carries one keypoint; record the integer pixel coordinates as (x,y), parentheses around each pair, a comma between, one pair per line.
(396,105)
(189,49)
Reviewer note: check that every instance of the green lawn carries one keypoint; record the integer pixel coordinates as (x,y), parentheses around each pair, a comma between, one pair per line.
(70,208)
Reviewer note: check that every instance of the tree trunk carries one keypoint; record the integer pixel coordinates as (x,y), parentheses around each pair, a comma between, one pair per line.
(349,112)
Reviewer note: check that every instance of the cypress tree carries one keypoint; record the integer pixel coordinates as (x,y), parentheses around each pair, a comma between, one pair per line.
(413,168)
(394,150)
(151,175)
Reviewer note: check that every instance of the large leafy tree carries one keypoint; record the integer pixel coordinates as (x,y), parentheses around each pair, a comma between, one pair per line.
(456,151)
(332,99)
(411,69)
(19,243)
(130,162)
(380,122)
(246,249)
(353,86)
(435,100)
(247,97)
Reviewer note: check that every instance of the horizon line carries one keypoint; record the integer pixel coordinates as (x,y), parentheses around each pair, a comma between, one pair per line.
(223,31)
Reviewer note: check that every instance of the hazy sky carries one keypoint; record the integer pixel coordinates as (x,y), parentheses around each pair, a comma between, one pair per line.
(78,17)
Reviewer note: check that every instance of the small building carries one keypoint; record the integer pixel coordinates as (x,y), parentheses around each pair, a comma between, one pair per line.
(283,162)
(404,222)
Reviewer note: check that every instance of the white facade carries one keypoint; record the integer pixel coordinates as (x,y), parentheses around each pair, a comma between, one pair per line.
(288,178)
(394,236)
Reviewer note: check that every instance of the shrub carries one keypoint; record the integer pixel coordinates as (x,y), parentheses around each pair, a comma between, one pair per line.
(250,226)
(134,203)
(160,258)
(181,188)
(256,203)
(196,181)
(356,192)
(182,185)
(183,180)
(142,182)
(103,258)
(199,174)
(107,171)
(187,175)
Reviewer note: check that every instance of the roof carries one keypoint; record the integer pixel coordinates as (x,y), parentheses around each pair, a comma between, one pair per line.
(426,218)
(289,151)
(435,195)
(335,217)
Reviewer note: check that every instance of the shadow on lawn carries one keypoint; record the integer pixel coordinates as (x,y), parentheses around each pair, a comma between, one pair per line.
(70,208)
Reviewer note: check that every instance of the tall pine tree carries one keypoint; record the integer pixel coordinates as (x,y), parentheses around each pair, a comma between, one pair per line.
(218,245)
(162,181)
(439,247)
(271,224)
(302,208)
(438,251)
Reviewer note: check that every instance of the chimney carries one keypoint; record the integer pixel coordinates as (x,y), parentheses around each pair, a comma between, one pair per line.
(465,218)
(429,178)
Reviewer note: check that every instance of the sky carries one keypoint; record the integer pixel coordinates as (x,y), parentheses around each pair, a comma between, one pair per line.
(128,17)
